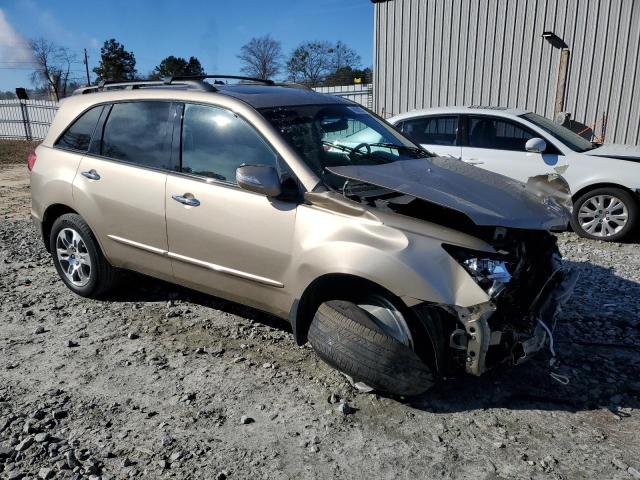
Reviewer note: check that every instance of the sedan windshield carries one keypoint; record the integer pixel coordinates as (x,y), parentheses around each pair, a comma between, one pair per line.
(338,135)
(571,139)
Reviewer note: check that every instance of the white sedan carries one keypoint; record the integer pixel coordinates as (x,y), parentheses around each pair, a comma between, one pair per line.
(604,179)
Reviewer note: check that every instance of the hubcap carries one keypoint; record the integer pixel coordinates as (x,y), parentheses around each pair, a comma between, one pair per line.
(388,318)
(603,215)
(73,257)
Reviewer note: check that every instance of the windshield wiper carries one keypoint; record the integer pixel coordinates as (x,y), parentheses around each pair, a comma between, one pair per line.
(415,150)
(344,148)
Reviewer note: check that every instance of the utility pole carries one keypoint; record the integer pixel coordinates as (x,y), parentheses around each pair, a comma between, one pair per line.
(86,66)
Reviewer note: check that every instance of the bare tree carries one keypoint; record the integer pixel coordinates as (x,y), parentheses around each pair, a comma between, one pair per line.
(261,57)
(344,57)
(53,66)
(311,63)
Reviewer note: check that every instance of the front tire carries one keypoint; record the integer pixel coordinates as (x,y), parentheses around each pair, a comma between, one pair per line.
(78,259)
(608,214)
(351,338)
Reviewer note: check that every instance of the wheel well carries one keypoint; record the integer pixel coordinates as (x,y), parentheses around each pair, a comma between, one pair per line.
(334,286)
(50,215)
(595,186)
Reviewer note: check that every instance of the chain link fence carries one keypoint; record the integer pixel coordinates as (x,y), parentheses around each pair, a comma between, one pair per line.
(26,119)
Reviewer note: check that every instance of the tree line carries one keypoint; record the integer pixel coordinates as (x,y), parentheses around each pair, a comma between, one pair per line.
(312,63)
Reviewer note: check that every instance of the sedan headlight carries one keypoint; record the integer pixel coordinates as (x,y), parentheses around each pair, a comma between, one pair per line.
(489,270)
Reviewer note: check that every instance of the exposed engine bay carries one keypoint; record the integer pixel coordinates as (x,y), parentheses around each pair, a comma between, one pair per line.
(525,281)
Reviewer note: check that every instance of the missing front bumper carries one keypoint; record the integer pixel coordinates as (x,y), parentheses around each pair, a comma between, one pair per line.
(477,336)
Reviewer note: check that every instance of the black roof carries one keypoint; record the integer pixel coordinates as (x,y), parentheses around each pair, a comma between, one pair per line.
(265,96)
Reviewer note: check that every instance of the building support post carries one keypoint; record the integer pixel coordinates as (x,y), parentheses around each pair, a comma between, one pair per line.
(561,87)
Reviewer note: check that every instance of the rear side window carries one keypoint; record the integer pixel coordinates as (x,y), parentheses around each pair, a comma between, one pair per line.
(215,142)
(78,135)
(432,130)
(139,133)
(486,132)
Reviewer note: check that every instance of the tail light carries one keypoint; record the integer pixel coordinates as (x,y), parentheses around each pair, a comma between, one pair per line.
(31,159)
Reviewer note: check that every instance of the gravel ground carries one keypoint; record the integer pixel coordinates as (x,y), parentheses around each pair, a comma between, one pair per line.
(162,382)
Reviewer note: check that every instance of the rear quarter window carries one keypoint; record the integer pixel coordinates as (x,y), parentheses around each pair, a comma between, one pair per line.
(78,136)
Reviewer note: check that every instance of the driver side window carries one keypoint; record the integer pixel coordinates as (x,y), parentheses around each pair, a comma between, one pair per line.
(215,142)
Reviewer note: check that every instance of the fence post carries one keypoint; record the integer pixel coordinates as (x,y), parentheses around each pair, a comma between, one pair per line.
(25,120)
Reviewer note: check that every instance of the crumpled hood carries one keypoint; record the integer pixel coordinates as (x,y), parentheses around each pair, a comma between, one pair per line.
(487,198)
(614,150)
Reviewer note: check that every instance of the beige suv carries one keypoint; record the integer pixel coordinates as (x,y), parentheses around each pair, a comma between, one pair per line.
(398,266)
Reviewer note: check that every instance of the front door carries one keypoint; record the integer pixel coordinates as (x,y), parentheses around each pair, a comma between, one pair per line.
(222,239)
(498,145)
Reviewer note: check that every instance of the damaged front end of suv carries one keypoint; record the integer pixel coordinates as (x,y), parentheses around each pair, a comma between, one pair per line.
(524,279)
(464,258)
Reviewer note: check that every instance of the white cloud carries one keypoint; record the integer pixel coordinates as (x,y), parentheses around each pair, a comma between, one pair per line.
(14,48)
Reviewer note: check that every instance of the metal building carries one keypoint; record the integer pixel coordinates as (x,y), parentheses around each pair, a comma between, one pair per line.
(492,52)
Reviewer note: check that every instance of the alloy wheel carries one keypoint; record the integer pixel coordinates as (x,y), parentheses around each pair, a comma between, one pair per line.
(603,215)
(73,257)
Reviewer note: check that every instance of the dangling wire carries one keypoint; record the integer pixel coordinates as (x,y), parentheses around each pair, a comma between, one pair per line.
(564,380)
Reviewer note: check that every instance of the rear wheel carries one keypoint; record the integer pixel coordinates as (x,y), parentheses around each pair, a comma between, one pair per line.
(78,258)
(605,214)
(377,344)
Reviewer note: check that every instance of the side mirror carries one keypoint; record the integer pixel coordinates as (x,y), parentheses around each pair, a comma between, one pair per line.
(536,145)
(259,179)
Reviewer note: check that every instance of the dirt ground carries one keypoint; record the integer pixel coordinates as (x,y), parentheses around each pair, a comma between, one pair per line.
(155,381)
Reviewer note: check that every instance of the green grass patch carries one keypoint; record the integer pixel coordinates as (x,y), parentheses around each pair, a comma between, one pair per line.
(15,151)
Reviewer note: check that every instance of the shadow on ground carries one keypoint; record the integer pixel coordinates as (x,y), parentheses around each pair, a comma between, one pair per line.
(597,340)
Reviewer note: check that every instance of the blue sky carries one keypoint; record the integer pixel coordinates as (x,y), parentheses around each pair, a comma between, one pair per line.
(211,30)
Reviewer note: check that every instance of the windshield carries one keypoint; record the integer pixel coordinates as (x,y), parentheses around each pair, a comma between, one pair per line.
(571,139)
(338,135)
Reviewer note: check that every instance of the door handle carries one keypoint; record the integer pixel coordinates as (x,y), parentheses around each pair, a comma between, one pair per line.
(189,201)
(91,175)
(473,161)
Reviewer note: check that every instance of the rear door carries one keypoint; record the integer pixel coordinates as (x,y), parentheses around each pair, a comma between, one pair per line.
(119,188)
(498,144)
(222,239)
(438,134)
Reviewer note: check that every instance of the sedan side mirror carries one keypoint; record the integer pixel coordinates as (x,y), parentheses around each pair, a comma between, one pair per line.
(536,145)
(261,179)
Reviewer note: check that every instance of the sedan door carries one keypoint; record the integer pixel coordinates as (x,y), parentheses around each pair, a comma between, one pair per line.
(437,134)
(498,144)
(225,240)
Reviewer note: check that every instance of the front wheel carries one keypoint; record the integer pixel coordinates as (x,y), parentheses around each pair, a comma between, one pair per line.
(607,213)
(373,343)
(78,258)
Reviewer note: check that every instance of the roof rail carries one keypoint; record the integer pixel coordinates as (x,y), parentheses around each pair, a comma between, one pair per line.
(191,84)
(232,77)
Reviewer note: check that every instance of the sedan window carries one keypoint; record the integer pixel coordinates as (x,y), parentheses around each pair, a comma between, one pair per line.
(432,130)
(488,132)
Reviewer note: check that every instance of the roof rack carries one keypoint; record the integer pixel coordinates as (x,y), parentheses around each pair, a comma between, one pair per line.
(231,77)
(191,82)
(135,84)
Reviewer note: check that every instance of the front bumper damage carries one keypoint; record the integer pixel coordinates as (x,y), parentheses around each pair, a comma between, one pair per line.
(478,336)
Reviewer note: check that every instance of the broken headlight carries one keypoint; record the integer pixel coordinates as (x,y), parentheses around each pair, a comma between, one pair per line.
(489,270)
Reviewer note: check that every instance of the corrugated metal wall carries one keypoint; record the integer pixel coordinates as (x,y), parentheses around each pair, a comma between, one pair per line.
(491,52)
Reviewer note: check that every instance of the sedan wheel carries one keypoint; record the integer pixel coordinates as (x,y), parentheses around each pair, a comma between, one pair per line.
(604,214)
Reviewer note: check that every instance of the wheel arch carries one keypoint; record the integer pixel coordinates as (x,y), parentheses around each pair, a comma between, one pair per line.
(594,186)
(325,287)
(49,217)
